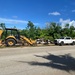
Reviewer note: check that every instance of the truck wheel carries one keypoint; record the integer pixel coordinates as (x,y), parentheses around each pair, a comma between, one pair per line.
(56,44)
(73,43)
(10,42)
(62,43)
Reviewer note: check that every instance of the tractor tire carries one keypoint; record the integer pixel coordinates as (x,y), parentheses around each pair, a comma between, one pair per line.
(10,42)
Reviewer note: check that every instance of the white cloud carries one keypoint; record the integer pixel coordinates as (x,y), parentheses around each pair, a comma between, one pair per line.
(54,13)
(36,23)
(67,21)
(12,21)
(15,16)
(16,22)
(73,10)
(72,23)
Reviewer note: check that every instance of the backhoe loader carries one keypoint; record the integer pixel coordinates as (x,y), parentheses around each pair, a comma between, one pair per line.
(13,37)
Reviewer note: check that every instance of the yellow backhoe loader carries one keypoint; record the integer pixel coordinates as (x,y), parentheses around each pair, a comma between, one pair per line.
(13,37)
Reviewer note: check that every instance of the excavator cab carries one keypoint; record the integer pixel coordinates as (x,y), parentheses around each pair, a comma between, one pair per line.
(12,32)
(12,36)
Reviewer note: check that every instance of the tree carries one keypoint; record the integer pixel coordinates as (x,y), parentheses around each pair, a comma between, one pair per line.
(66,30)
(24,32)
(54,30)
(2,25)
(67,25)
(37,33)
(14,27)
(72,31)
(31,30)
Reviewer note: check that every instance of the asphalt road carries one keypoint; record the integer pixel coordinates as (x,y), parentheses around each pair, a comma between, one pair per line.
(47,60)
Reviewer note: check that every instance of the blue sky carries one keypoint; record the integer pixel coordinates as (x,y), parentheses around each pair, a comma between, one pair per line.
(19,12)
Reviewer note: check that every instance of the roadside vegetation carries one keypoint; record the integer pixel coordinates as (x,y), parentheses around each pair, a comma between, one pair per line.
(51,31)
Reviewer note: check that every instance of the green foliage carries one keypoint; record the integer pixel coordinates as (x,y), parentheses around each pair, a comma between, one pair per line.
(31,30)
(24,32)
(54,30)
(37,33)
(51,32)
(2,25)
(48,38)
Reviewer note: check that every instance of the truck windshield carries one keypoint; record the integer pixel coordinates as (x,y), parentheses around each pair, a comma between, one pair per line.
(62,38)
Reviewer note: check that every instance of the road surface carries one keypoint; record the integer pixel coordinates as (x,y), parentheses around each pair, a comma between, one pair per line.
(47,60)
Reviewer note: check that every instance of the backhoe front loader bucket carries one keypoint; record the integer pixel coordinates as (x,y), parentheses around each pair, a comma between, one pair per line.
(29,41)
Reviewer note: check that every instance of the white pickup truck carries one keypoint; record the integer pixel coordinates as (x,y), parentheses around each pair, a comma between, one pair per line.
(64,40)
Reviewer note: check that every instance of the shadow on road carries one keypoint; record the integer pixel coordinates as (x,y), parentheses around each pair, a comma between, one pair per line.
(63,62)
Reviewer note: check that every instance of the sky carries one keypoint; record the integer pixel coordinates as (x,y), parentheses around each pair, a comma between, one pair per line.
(40,12)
